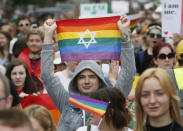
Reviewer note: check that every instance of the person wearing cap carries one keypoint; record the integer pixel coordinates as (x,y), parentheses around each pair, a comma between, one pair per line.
(88,76)
(177,74)
(153,37)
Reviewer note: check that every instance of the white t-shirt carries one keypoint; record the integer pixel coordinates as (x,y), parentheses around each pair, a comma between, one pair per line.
(12,42)
(65,81)
(84,128)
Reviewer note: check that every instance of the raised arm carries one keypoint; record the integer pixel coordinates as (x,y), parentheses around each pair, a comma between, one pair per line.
(128,69)
(52,83)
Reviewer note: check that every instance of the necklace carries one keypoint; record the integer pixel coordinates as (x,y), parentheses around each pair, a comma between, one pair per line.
(34,56)
(171,127)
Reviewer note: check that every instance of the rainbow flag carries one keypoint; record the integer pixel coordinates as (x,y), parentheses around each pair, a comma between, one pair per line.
(89,39)
(92,38)
(134,20)
(88,104)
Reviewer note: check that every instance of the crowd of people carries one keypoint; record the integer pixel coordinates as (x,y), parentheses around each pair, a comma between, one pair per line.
(144,88)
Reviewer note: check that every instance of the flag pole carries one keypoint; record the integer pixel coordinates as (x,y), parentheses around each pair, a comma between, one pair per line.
(83,117)
(99,123)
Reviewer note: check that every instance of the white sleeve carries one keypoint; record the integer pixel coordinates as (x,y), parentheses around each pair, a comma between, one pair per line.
(83,128)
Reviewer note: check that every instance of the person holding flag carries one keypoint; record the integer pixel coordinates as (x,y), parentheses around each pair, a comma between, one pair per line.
(88,76)
(115,117)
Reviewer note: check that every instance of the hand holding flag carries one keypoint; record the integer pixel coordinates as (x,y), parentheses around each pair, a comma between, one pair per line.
(123,25)
(49,29)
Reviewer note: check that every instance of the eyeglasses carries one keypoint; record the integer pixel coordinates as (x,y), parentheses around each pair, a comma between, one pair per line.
(3,98)
(21,25)
(164,56)
(152,35)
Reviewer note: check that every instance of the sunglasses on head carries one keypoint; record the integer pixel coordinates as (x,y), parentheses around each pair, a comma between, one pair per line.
(152,35)
(21,25)
(164,56)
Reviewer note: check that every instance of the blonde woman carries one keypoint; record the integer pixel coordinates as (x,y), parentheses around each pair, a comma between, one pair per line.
(157,105)
(41,118)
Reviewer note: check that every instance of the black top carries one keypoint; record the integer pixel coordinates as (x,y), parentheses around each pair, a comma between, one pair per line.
(171,127)
(14,93)
(146,62)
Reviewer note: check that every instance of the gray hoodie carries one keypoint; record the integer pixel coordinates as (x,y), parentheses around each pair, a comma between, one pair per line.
(83,65)
(73,117)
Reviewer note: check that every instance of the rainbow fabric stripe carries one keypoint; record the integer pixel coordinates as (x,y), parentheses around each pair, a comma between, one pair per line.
(134,20)
(88,104)
(89,39)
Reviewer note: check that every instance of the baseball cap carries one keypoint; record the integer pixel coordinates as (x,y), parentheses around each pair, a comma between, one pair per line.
(179,50)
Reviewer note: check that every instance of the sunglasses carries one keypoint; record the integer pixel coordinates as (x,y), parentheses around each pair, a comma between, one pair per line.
(152,35)
(21,25)
(164,56)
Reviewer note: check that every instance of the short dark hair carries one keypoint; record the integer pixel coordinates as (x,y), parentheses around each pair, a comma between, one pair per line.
(116,113)
(14,118)
(23,17)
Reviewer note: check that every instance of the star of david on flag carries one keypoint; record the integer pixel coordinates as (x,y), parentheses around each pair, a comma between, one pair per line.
(87,43)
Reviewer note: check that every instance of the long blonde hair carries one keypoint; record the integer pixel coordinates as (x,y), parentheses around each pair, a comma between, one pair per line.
(167,84)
